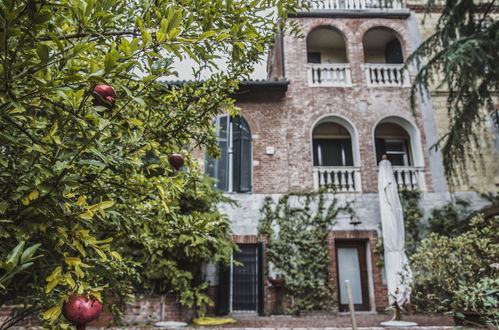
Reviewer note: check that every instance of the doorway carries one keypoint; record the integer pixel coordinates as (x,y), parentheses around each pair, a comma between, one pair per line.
(241,284)
(352,265)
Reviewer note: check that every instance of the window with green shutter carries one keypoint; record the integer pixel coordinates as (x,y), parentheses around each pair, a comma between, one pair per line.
(233,168)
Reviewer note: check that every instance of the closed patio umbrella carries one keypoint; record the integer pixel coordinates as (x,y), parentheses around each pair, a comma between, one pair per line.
(398,273)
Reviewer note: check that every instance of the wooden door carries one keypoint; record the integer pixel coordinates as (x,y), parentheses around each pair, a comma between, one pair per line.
(351,265)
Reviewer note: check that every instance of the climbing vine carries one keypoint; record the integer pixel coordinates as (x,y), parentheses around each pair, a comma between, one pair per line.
(413,217)
(296,228)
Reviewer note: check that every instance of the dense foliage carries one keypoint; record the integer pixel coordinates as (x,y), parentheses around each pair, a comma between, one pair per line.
(296,229)
(459,273)
(462,56)
(88,182)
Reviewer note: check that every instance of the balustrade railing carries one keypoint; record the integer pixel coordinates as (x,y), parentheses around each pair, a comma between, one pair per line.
(341,178)
(390,75)
(329,74)
(352,4)
(410,177)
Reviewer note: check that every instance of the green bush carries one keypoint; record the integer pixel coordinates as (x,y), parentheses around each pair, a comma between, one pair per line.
(451,272)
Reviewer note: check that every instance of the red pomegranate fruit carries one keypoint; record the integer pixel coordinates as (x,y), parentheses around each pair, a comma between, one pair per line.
(80,309)
(176,161)
(104,95)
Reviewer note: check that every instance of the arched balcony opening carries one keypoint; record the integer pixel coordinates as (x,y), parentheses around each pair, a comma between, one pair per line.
(327,58)
(334,157)
(384,58)
(401,145)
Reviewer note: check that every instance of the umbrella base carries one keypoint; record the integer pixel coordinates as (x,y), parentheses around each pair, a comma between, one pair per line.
(398,324)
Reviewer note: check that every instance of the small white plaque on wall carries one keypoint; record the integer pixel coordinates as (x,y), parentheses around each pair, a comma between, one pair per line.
(269,150)
(256,163)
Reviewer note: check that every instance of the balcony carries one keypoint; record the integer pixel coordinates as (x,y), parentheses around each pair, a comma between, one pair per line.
(341,178)
(409,177)
(352,4)
(329,75)
(386,75)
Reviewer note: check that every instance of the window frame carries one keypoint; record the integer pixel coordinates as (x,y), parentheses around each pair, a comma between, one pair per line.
(229,158)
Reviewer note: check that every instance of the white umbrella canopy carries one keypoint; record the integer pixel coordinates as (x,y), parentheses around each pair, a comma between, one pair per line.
(398,273)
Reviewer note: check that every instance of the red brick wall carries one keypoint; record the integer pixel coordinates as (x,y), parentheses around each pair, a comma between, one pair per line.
(371,236)
(287,125)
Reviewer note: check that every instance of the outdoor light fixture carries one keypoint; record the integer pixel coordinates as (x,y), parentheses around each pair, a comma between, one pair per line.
(354,221)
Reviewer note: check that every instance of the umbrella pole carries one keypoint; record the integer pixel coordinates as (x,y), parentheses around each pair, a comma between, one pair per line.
(398,313)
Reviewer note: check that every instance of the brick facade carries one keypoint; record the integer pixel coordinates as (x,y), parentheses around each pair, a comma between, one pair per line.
(287,124)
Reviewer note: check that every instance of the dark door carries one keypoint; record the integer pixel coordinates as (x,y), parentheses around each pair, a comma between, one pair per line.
(245,278)
(351,265)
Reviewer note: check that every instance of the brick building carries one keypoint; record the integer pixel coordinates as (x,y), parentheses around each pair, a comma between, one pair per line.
(333,103)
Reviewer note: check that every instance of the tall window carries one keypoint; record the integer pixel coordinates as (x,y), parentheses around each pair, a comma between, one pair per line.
(233,168)
(394,142)
(332,145)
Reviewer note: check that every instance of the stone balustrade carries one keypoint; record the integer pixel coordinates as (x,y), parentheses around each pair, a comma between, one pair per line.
(329,74)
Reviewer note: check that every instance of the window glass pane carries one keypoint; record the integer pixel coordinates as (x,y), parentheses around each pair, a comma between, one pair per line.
(395,146)
(332,152)
(217,168)
(223,167)
(349,269)
(397,159)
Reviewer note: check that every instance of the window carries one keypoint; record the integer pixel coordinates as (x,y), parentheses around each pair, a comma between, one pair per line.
(393,141)
(395,150)
(332,145)
(233,168)
(332,152)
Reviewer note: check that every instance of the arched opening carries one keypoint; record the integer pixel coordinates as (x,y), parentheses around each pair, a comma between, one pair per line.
(394,142)
(381,45)
(326,45)
(327,58)
(336,155)
(233,168)
(332,145)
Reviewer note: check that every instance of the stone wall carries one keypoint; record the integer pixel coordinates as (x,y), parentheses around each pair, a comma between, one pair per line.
(481,170)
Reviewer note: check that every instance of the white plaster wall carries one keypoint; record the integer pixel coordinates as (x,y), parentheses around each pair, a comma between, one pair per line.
(246,216)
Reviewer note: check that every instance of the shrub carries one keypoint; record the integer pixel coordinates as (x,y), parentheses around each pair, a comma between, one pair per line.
(451,273)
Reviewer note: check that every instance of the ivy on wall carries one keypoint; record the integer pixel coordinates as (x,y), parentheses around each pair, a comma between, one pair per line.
(296,228)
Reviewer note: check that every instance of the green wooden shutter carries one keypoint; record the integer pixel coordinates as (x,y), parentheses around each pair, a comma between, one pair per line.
(241,147)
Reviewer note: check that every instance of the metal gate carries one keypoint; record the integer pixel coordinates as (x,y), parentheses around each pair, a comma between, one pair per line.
(245,279)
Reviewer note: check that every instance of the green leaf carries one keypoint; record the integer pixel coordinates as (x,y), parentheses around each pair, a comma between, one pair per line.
(13,257)
(29,252)
(110,60)
(4,205)
(43,52)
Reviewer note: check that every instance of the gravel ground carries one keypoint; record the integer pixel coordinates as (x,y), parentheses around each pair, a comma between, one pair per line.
(365,321)
(341,321)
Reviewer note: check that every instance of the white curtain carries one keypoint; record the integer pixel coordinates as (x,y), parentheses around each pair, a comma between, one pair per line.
(398,273)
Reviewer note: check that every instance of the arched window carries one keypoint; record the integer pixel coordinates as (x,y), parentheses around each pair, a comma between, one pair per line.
(393,141)
(332,145)
(382,46)
(233,168)
(326,45)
